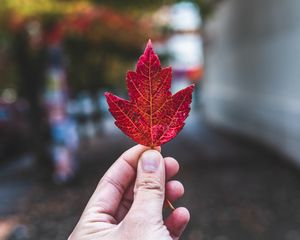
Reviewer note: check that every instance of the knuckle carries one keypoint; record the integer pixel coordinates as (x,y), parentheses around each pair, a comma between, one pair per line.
(152,184)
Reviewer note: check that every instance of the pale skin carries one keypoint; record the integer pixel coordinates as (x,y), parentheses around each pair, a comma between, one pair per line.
(128,201)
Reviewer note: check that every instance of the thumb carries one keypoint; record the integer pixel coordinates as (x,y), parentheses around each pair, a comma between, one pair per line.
(149,189)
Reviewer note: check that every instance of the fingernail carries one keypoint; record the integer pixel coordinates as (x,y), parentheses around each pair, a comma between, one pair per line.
(150,161)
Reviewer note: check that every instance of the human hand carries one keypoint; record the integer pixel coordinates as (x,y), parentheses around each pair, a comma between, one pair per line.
(128,201)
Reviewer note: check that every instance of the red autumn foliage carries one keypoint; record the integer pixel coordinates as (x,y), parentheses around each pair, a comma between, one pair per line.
(152,116)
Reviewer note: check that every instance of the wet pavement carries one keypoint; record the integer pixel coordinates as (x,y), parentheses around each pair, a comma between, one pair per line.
(235,189)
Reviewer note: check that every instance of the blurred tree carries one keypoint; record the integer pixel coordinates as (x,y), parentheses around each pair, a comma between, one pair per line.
(139,7)
(93,35)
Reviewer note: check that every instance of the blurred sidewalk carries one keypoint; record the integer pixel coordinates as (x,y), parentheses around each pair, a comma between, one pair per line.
(15,181)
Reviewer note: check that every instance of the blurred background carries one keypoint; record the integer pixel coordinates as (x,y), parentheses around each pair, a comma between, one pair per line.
(239,151)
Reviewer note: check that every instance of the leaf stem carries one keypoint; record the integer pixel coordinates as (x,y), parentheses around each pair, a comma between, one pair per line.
(170,205)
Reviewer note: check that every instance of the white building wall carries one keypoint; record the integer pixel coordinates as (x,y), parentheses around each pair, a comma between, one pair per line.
(252,79)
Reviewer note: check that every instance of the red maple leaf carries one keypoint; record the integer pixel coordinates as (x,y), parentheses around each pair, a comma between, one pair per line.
(152,116)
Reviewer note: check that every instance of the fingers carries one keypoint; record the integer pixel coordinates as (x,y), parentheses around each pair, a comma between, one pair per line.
(180,217)
(172,167)
(177,221)
(115,182)
(149,190)
(174,190)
